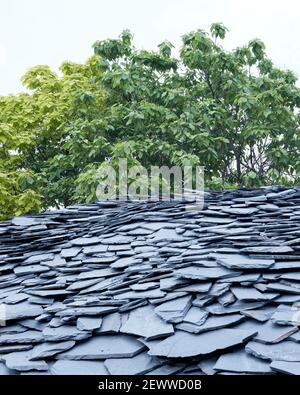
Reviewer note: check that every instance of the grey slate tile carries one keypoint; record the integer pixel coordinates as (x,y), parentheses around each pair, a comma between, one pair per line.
(242,362)
(183,344)
(199,273)
(196,316)
(103,347)
(64,333)
(212,323)
(29,269)
(118,239)
(287,317)
(154,293)
(207,365)
(29,336)
(78,368)
(175,310)
(236,261)
(286,367)
(139,364)
(88,323)
(235,307)
(6,349)
(111,323)
(283,351)
(251,294)
(166,370)
(144,322)
(4,370)
(70,252)
(85,241)
(21,361)
(268,249)
(48,349)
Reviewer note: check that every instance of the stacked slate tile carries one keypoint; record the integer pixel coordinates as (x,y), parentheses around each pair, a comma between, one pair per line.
(161,287)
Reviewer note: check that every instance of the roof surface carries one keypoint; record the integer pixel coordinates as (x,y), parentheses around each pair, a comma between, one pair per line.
(154,288)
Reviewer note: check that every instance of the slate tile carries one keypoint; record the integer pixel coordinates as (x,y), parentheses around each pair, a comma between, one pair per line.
(6,349)
(183,344)
(207,365)
(14,328)
(286,367)
(283,288)
(88,323)
(139,364)
(95,249)
(273,333)
(242,362)
(21,361)
(15,298)
(125,262)
(85,241)
(78,368)
(144,286)
(174,311)
(64,333)
(235,307)
(196,316)
(29,269)
(86,311)
(259,315)
(295,336)
(165,235)
(70,252)
(199,273)
(48,349)
(251,294)
(283,351)
(212,323)
(103,347)
(29,336)
(144,322)
(236,261)
(111,323)
(240,211)
(154,293)
(268,249)
(288,317)
(196,287)
(38,258)
(226,299)
(118,239)
(24,221)
(166,370)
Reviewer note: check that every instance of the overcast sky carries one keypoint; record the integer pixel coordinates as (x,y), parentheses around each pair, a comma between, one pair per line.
(50,31)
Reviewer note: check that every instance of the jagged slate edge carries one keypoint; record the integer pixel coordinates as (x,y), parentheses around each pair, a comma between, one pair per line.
(127,287)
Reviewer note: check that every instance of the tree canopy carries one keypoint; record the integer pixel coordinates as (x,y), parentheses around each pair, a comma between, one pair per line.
(233,112)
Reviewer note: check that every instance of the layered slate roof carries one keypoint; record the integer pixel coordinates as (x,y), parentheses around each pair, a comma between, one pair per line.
(154,288)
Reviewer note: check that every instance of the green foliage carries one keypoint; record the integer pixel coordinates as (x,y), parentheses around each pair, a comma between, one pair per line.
(233,112)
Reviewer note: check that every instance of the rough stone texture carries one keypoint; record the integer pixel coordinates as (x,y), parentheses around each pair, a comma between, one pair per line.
(183,345)
(102,347)
(133,287)
(145,323)
(241,362)
(79,367)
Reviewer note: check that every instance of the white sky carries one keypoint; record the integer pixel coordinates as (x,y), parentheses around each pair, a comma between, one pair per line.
(50,31)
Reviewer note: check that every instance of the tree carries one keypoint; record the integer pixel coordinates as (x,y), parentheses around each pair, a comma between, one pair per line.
(51,127)
(232,111)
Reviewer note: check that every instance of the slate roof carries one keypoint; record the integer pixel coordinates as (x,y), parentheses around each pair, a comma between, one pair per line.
(154,288)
